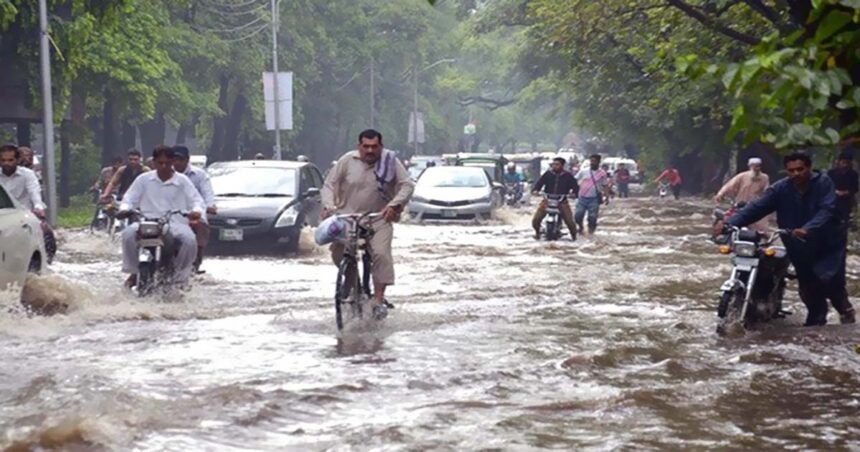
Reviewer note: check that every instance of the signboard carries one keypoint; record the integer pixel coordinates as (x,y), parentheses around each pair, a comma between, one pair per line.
(285,100)
(421,137)
(470,129)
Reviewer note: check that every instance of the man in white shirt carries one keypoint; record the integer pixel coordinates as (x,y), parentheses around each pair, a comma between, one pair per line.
(21,183)
(155,193)
(200,179)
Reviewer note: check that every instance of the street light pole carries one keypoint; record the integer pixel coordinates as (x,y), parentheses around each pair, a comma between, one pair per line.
(372,93)
(415,110)
(47,113)
(277,115)
(415,73)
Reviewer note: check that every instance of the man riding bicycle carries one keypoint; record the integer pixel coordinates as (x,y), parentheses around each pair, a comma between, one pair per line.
(370,179)
(125,176)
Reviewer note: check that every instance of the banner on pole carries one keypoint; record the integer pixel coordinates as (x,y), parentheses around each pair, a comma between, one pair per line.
(420,128)
(285,100)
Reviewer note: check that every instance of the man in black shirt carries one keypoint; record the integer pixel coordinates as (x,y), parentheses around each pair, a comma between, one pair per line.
(846,182)
(556,181)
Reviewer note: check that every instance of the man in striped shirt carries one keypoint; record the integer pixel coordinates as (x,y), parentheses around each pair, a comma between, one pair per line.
(593,182)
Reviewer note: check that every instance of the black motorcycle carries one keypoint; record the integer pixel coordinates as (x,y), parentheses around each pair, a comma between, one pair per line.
(513,193)
(156,250)
(552,221)
(754,292)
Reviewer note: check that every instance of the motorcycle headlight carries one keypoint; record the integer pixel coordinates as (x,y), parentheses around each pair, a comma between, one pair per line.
(149,230)
(745,249)
(288,218)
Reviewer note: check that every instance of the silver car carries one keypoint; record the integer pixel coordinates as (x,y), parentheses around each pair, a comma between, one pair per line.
(453,193)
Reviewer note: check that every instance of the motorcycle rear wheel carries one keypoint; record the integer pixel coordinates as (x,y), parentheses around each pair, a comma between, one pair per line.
(145,278)
(553,231)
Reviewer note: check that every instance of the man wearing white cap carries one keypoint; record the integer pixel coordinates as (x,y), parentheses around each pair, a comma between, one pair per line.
(747,187)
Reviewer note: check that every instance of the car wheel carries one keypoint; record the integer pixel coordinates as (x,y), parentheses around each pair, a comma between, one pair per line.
(35,264)
(295,235)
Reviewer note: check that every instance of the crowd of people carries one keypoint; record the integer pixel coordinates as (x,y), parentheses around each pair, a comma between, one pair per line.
(815,206)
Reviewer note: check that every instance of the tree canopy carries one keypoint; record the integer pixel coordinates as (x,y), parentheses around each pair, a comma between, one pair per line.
(665,80)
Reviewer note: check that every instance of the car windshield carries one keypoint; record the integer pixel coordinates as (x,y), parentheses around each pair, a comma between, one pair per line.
(452,177)
(235,181)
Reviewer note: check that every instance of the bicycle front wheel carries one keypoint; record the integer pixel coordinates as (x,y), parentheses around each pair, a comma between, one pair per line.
(345,287)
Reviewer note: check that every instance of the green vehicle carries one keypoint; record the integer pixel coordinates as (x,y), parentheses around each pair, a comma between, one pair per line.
(493,165)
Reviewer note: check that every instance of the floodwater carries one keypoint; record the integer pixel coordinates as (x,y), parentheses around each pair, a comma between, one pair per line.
(497,342)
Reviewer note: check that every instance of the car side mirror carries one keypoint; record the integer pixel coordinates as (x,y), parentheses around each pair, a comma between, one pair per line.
(312,192)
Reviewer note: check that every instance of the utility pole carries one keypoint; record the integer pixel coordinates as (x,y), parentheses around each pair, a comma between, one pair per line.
(275,24)
(47,113)
(415,73)
(372,93)
(415,109)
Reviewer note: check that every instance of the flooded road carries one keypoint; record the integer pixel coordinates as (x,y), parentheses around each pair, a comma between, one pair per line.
(497,342)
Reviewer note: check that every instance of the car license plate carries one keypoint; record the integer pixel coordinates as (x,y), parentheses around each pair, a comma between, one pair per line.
(232,235)
(449,213)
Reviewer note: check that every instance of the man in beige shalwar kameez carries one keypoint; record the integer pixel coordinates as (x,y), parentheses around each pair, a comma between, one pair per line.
(747,187)
(370,179)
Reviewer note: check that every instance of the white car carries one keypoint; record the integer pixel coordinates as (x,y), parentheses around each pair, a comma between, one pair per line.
(453,193)
(22,246)
(630,164)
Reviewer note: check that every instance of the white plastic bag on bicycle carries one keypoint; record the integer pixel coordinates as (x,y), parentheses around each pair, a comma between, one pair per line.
(331,229)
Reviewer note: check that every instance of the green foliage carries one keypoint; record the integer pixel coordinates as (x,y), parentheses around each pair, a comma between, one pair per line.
(795,89)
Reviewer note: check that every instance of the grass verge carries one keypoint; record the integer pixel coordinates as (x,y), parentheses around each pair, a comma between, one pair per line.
(78,214)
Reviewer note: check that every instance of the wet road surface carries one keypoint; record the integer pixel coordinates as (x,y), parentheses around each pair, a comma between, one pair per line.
(497,342)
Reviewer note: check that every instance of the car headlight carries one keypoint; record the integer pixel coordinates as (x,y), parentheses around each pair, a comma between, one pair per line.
(288,218)
(745,249)
(420,199)
(484,200)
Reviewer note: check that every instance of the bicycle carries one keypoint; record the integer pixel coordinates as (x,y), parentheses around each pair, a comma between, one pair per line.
(353,286)
(105,218)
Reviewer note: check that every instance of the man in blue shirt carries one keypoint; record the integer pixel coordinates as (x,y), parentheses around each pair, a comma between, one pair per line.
(512,177)
(805,204)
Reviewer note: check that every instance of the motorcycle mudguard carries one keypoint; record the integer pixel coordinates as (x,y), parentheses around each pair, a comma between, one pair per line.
(145,255)
(733,285)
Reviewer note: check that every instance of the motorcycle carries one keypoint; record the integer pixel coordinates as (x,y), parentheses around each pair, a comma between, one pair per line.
(663,190)
(513,194)
(50,240)
(552,221)
(754,291)
(155,253)
(105,218)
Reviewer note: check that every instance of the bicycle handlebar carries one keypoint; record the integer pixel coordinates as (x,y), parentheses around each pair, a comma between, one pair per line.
(360,216)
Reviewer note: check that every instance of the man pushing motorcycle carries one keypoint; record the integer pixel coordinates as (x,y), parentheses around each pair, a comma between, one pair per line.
(155,194)
(805,204)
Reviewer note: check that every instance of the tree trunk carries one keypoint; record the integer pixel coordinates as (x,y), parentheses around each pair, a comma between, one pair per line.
(218,122)
(23,133)
(65,164)
(152,132)
(234,128)
(111,129)
(184,129)
(129,136)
